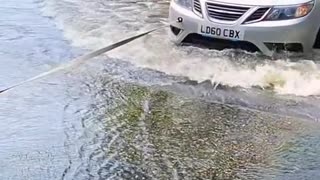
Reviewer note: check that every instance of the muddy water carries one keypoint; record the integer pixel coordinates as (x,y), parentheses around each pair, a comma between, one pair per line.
(150,110)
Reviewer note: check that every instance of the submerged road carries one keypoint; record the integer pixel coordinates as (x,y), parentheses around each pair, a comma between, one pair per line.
(148,110)
(32,140)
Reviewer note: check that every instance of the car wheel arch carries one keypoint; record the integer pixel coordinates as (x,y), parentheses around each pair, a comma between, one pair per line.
(317,39)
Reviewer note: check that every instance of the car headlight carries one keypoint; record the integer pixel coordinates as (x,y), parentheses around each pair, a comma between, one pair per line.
(289,12)
(185,3)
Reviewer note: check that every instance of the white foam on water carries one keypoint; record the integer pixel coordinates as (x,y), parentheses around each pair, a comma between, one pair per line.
(92,24)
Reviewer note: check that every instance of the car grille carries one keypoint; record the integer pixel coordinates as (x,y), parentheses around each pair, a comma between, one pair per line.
(225,12)
(258,14)
(197,6)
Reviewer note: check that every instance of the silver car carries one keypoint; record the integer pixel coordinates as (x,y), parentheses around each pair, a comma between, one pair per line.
(267,25)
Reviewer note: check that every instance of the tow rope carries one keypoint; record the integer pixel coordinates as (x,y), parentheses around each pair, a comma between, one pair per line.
(80,60)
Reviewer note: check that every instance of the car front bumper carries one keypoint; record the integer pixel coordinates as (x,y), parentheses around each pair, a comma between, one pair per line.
(301,31)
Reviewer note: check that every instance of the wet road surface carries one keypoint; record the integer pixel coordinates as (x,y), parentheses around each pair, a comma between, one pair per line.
(148,110)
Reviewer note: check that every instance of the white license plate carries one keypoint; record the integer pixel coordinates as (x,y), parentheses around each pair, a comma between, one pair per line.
(221,32)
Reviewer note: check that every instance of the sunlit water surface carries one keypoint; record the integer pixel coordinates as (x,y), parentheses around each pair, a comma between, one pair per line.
(149,110)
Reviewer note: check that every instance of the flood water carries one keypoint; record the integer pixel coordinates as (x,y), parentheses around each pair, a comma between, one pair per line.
(149,110)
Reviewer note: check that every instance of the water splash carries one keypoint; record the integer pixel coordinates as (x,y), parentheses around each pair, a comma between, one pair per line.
(93,24)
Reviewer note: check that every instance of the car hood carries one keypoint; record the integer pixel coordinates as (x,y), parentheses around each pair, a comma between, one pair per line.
(263,2)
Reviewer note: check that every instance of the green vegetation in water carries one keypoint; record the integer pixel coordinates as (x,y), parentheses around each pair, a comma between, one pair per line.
(163,136)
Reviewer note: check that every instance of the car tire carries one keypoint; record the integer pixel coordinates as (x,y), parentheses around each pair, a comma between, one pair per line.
(317,41)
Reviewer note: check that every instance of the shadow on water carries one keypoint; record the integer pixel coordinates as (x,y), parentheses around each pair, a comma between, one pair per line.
(136,132)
